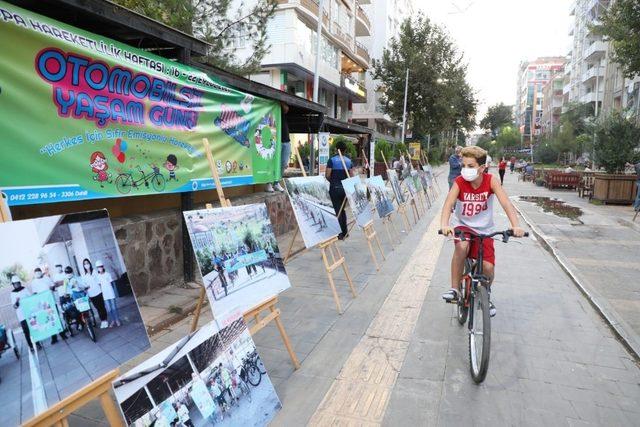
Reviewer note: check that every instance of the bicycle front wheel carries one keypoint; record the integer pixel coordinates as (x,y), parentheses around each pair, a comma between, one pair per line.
(463,309)
(158,182)
(480,335)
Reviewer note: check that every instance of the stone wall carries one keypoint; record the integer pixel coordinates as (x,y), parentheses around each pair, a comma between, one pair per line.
(151,244)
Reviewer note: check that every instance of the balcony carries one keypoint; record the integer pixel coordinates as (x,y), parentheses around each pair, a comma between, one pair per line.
(566,88)
(591,97)
(363,25)
(310,7)
(363,53)
(592,74)
(596,50)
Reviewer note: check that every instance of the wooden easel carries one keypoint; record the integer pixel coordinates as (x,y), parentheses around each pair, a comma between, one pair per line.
(402,209)
(425,190)
(368,229)
(332,258)
(99,389)
(423,205)
(252,315)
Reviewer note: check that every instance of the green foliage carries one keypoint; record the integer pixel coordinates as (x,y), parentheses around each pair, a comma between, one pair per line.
(497,116)
(438,94)
(383,146)
(579,116)
(565,141)
(436,155)
(218,22)
(616,140)
(350,150)
(545,152)
(10,270)
(508,137)
(621,26)
(399,149)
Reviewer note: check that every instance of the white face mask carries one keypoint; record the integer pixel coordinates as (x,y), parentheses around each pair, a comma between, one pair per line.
(39,275)
(469,174)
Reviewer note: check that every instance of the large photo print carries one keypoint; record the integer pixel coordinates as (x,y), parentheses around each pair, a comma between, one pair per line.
(356,192)
(313,209)
(68,314)
(238,256)
(210,377)
(395,184)
(380,196)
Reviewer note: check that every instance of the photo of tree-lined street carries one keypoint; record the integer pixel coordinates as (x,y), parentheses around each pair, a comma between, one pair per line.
(313,209)
(238,256)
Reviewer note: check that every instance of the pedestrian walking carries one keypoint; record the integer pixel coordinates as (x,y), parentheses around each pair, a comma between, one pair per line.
(455,165)
(502,168)
(106,286)
(19,292)
(285,149)
(94,292)
(512,165)
(335,173)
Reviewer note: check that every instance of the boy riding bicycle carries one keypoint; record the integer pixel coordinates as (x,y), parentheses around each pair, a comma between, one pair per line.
(472,195)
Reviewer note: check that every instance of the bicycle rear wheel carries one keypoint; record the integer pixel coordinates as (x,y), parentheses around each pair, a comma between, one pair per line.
(480,335)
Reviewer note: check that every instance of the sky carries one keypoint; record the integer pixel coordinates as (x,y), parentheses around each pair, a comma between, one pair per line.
(496,35)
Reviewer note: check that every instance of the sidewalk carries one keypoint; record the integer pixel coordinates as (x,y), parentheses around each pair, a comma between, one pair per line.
(599,248)
(321,338)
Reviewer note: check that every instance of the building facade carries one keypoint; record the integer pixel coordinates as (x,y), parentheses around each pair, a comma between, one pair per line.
(583,82)
(552,99)
(386,17)
(344,61)
(532,78)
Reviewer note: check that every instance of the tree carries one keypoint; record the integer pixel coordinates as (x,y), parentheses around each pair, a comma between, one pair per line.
(439,96)
(383,147)
(616,142)
(498,115)
(508,137)
(213,21)
(621,25)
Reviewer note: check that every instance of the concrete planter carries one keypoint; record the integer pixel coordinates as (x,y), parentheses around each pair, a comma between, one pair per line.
(614,188)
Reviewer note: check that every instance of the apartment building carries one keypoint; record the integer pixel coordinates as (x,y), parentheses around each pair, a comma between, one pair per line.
(552,98)
(289,66)
(386,18)
(532,78)
(583,82)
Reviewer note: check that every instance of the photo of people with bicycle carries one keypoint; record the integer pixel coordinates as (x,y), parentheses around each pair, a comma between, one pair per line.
(66,301)
(238,256)
(211,377)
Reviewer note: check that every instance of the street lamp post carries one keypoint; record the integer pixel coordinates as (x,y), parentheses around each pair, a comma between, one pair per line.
(316,82)
(404,109)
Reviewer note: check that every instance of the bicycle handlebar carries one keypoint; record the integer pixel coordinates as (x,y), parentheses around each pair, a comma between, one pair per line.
(505,234)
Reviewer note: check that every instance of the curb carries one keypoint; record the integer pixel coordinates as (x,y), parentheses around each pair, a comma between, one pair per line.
(619,326)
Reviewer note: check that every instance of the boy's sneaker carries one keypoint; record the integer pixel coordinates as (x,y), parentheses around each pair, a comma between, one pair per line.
(492,309)
(268,188)
(451,295)
(278,187)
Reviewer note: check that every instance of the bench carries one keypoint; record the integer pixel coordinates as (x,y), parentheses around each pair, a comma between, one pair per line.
(557,179)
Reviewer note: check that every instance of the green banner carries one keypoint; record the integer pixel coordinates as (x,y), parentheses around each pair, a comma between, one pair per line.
(85,117)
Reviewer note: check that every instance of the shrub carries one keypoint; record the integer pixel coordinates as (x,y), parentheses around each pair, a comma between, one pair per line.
(350,151)
(545,152)
(383,146)
(616,140)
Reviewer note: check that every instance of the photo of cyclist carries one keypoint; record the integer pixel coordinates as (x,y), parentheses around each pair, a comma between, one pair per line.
(474,193)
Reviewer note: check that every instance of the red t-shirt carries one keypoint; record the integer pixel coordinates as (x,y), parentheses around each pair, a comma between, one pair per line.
(502,165)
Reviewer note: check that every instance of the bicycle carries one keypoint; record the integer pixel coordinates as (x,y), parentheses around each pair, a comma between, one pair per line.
(124,181)
(250,372)
(474,295)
